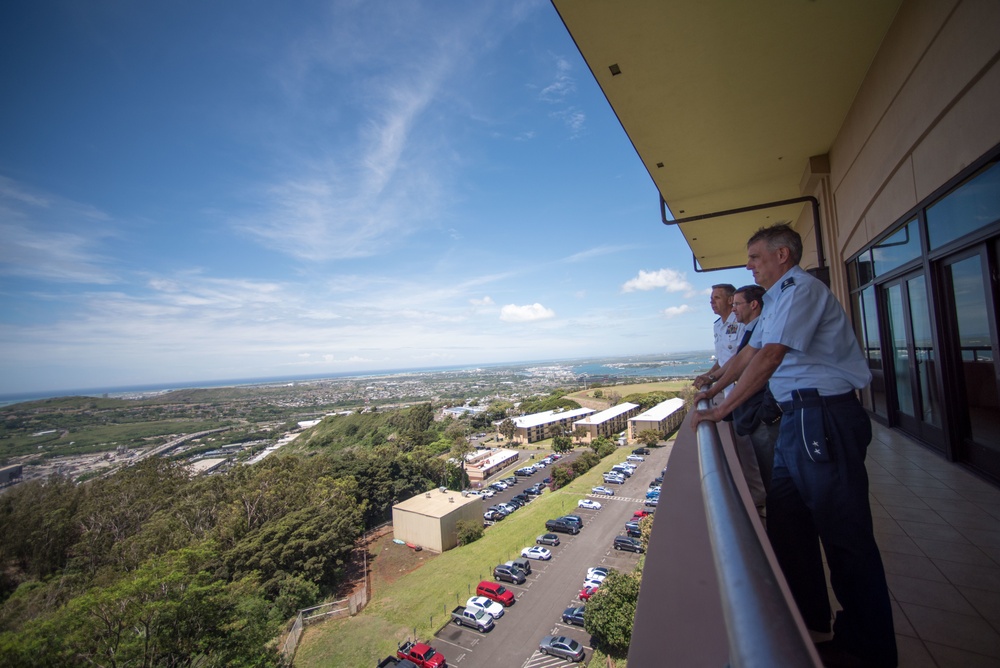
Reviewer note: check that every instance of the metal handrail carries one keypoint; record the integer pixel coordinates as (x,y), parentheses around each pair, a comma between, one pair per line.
(763,629)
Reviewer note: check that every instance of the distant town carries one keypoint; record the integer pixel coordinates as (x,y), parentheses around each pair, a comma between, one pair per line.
(214,428)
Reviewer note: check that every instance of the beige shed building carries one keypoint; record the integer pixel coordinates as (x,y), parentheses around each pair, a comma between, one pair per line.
(430,520)
(608,422)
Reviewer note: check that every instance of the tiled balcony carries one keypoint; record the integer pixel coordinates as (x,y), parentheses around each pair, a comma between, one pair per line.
(938,527)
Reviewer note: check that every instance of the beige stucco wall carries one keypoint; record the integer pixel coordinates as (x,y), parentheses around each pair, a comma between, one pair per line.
(928,107)
(431,522)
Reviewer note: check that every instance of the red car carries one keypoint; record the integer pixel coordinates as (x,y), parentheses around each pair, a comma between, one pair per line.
(639,514)
(587,592)
(421,654)
(495,592)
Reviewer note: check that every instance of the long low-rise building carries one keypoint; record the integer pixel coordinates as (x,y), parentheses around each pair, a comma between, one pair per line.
(537,426)
(481,465)
(608,422)
(664,417)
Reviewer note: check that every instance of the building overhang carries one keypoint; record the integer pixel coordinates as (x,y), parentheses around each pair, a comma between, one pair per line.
(729,104)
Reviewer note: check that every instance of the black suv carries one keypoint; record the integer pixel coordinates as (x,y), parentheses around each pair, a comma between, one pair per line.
(573,519)
(641,451)
(562,526)
(522,497)
(511,574)
(628,543)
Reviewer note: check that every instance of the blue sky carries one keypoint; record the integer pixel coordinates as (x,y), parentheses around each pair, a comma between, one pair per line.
(196,191)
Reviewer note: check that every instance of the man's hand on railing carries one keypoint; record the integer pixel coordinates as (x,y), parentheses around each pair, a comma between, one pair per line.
(711,414)
(703,380)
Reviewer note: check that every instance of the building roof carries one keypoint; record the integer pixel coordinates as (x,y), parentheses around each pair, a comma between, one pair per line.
(660,410)
(727,103)
(435,503)
(608,413)
(546,417)
(493,458)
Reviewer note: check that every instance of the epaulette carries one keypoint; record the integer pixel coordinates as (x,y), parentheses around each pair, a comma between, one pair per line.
(787,283)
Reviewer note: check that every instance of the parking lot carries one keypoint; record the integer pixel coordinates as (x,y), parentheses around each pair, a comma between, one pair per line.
(555,584)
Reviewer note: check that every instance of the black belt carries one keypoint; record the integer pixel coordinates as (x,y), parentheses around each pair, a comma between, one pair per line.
(811,397)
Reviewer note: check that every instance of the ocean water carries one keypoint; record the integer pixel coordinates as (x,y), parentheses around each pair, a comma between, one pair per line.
(644,366)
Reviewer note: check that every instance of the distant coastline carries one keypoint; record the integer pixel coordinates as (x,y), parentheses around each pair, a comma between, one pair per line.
(594,368)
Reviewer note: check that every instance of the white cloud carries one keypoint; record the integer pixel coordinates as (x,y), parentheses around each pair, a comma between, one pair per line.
(485,301)
(526,313)
(674,311)
(670,280)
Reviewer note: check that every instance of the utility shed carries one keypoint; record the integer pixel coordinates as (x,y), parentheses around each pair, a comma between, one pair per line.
(430,520)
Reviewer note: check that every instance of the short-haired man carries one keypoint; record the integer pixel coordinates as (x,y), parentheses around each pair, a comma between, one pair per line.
(805,348)
(759,417)
(728,332)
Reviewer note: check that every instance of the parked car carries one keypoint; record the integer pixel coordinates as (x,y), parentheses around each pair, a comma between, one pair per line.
(396,662)
(535,489)
(652,503)
(522,498)
(598,570)
(488,493)
(621,470)
(498,486)
(593,583)
(496,592)
(561,646)
(628,543)
(493,516)
(573,615)
(562,526)
(547,539)
(507,508)
(614,478)
(653,494)
(635,458)
(524,471)
(589,504)
(641,451)
(509,480)
(575,519)
(546,481)
(474,618)
(509,574)
(537,552)
(587,592)
(421,654)
(639,514)
(494,609)
(658,480)
(514,503)
(521,563)
(606,491)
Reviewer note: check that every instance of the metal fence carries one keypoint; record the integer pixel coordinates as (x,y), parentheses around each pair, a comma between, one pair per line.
(345,607)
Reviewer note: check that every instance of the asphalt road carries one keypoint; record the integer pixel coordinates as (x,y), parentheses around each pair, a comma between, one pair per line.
(554,585)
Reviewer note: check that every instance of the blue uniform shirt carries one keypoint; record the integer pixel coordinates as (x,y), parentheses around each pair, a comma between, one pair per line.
(801,313)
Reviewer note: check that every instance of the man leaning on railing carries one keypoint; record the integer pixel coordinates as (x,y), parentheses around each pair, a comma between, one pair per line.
(805,349)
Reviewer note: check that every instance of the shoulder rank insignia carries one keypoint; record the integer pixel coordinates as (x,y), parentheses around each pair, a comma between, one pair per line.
(787,283)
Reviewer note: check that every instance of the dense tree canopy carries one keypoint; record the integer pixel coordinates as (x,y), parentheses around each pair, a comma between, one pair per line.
(150,566)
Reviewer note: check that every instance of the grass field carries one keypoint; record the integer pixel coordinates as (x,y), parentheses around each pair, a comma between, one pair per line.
(678,385)
(419,602)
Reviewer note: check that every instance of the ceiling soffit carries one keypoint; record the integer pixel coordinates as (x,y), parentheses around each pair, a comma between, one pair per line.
(724,101)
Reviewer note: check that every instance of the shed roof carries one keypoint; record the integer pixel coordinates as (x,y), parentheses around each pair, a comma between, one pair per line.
(435,503)
(661,410)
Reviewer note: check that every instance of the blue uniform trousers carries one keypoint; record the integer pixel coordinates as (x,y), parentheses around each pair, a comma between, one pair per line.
(819,492)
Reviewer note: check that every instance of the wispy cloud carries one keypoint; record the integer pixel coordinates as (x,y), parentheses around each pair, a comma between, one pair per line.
(597,251)
(50,238)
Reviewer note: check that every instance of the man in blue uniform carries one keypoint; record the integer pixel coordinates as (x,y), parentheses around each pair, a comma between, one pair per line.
(805,349)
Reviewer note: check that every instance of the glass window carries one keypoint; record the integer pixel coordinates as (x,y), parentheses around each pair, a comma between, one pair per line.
(865,271)
(873,351)
(897,249)
(971,206)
